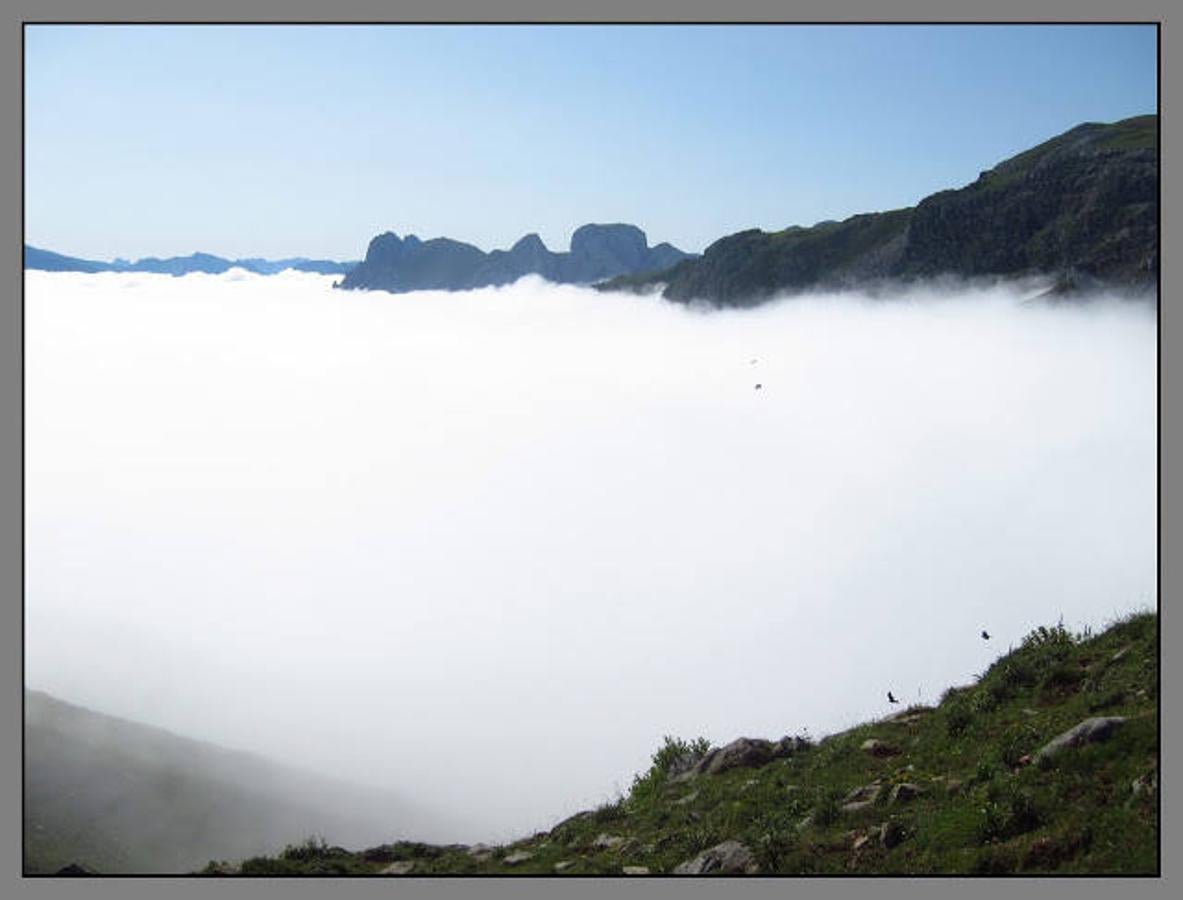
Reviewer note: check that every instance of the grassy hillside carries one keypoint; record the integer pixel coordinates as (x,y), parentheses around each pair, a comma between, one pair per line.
(960,788)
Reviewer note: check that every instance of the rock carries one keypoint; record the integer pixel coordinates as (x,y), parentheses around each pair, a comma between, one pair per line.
(857,806)
(744,753)
(402,867)
(1146,784)
(635,870)
(1030,712)
(751,782)
(878,749)
(865,792)
(1116,657)
(804,823)
(607,841)
(859,842)
(905,792)
(564,864)
(953,786)
(728,858)
(1099,728)
(689,798)
(74,869)
(518,856)
(891,834)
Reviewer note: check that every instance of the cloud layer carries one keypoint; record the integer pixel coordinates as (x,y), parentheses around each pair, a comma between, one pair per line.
(487,548)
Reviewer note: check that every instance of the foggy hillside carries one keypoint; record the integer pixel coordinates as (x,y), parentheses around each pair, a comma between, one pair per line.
(118,796)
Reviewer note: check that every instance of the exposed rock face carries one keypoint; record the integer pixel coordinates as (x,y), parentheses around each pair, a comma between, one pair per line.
(518,856)
(597,251)
(1082,208)
(1100,728)
(729,857)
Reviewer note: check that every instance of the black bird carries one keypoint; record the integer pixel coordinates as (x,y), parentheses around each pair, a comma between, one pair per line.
(758,386)
(891,699)
(985,636)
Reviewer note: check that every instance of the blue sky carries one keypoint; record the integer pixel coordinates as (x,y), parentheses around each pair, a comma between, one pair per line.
(300,140)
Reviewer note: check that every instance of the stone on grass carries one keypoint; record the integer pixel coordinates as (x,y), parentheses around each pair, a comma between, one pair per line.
(518,856)
(564,864)
(728,858)
(905,792)
(1098,728)
(891,834)
(402,867)
(607,841)
(878,749)
(635,870)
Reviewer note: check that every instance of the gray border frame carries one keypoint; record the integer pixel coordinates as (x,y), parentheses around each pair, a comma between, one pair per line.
(11,435)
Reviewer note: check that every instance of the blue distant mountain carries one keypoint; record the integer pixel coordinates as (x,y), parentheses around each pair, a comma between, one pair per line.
(47,260)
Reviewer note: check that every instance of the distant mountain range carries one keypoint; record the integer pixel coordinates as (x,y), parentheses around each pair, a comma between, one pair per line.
(116,796)
(597,252)
(47,260)
(1082,207)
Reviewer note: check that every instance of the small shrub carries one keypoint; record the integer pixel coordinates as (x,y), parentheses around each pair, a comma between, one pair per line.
(674,752)
(958,718)
(827,808)
(1008,816)
(984,701)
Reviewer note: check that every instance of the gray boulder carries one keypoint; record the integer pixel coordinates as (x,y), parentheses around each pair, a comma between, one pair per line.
(1098,728)
(727,858)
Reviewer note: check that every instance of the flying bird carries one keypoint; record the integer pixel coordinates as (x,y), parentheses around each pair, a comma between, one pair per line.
(891,699)
(758,386)
(985,636)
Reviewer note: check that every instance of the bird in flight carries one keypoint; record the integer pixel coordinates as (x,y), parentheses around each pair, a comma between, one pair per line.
(758,386)
(891,699)
(985,635)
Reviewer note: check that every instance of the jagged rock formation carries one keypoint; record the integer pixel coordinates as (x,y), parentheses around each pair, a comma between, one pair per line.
(597,252)
(1081,207)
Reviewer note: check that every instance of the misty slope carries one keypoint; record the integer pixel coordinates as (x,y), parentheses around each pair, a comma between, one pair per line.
(976,785)
(118,796)
(597,251)
(1082,206)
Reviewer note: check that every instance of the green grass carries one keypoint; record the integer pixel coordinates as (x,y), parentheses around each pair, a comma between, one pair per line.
(983,808)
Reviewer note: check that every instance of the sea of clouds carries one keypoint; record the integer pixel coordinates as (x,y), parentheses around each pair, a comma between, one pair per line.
(487,548)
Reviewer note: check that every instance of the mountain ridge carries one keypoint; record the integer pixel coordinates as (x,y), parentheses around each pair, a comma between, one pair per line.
(1081,208)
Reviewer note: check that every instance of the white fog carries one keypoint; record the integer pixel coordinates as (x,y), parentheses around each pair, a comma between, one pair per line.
(485,549)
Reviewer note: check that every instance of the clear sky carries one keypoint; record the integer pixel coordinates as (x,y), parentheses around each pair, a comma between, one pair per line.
(302,140)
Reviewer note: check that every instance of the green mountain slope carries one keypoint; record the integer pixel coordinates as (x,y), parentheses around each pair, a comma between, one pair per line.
(1081,207)
(962,788)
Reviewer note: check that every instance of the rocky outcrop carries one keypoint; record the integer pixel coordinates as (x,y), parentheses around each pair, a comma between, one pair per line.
(597,252)
(740,753)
